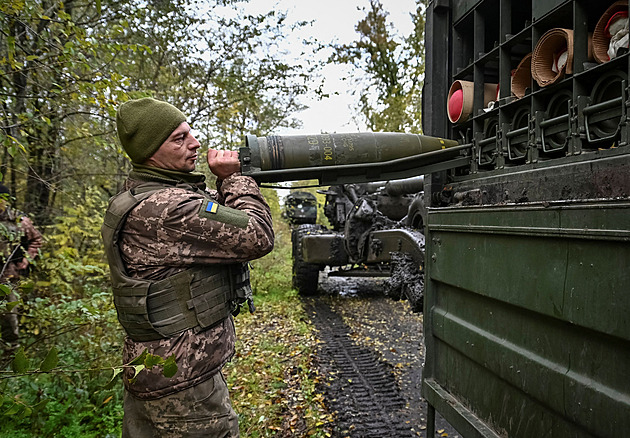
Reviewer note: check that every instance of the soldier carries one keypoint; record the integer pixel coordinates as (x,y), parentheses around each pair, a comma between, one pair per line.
(177,254)
(20,242)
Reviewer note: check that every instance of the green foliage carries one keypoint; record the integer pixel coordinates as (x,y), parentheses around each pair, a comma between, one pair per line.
(271,274)
(57,379)
(390,100)
(148,361)
(51,70)
(73,257)
(51,360)
(4,290)
(66,66)
(19,363)
(55,383)
(72,389)
(66,411)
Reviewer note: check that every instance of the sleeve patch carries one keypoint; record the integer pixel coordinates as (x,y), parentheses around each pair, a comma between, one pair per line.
(220,213)
(212,207)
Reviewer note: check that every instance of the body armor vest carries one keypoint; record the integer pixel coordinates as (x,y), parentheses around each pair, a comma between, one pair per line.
(196,298)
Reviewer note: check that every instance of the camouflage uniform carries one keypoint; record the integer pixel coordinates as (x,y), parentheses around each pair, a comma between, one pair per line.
(20,239)
(163,235)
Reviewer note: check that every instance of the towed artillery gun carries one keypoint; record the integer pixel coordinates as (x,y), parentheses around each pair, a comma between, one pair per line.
(376,227)
(368,223)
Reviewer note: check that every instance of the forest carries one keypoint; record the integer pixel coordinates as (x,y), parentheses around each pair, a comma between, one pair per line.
(65,67)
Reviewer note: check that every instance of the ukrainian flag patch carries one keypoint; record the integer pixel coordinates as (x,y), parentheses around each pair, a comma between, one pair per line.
(220,213)
(212,207)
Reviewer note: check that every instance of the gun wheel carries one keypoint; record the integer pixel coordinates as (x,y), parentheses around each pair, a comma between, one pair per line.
(305,275)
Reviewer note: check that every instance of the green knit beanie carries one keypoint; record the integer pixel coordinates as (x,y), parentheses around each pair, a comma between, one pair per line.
(144,124)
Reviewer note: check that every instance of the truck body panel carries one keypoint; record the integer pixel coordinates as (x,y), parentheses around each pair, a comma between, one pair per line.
(526,316)
(527,279)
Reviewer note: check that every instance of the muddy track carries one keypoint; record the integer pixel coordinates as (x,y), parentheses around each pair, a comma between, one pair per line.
(361,390)
(370,358)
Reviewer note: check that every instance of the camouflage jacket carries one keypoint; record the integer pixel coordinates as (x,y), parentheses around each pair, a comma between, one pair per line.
(166,234)
(20,242)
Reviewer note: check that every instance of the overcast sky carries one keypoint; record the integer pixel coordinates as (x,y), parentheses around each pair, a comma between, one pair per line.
(334,20)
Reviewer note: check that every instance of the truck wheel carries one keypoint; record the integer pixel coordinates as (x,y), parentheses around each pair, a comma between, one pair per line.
(305,275)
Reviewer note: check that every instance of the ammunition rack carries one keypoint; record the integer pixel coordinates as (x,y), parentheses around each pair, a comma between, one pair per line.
(582,113)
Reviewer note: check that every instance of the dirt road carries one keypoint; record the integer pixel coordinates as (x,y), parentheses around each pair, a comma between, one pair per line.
(371,358)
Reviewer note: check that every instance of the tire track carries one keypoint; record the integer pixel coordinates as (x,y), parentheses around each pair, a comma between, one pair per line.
(361,389)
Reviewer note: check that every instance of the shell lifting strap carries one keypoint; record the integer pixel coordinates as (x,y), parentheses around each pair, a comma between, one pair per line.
(197,298)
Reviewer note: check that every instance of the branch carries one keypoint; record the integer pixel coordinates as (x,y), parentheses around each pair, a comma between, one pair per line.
(83,137)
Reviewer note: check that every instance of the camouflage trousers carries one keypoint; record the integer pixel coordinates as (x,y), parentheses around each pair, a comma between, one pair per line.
(204,410)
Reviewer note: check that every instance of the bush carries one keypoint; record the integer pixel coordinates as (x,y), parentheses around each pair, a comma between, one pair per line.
(54,383)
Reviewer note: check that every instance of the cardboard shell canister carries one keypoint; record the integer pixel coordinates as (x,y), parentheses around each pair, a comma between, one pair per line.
(552,42)
(600,40)
(459,104)
(522,78)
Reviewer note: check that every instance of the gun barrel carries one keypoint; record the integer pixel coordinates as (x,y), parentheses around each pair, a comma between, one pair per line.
(405,186)
(397,187)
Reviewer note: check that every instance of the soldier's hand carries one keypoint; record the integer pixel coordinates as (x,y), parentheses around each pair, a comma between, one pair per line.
(223,163)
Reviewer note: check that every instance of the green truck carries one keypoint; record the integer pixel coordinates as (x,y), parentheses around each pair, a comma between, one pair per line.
(527,329)
(519,240)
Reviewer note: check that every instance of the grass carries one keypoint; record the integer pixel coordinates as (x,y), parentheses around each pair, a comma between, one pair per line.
(273,378)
